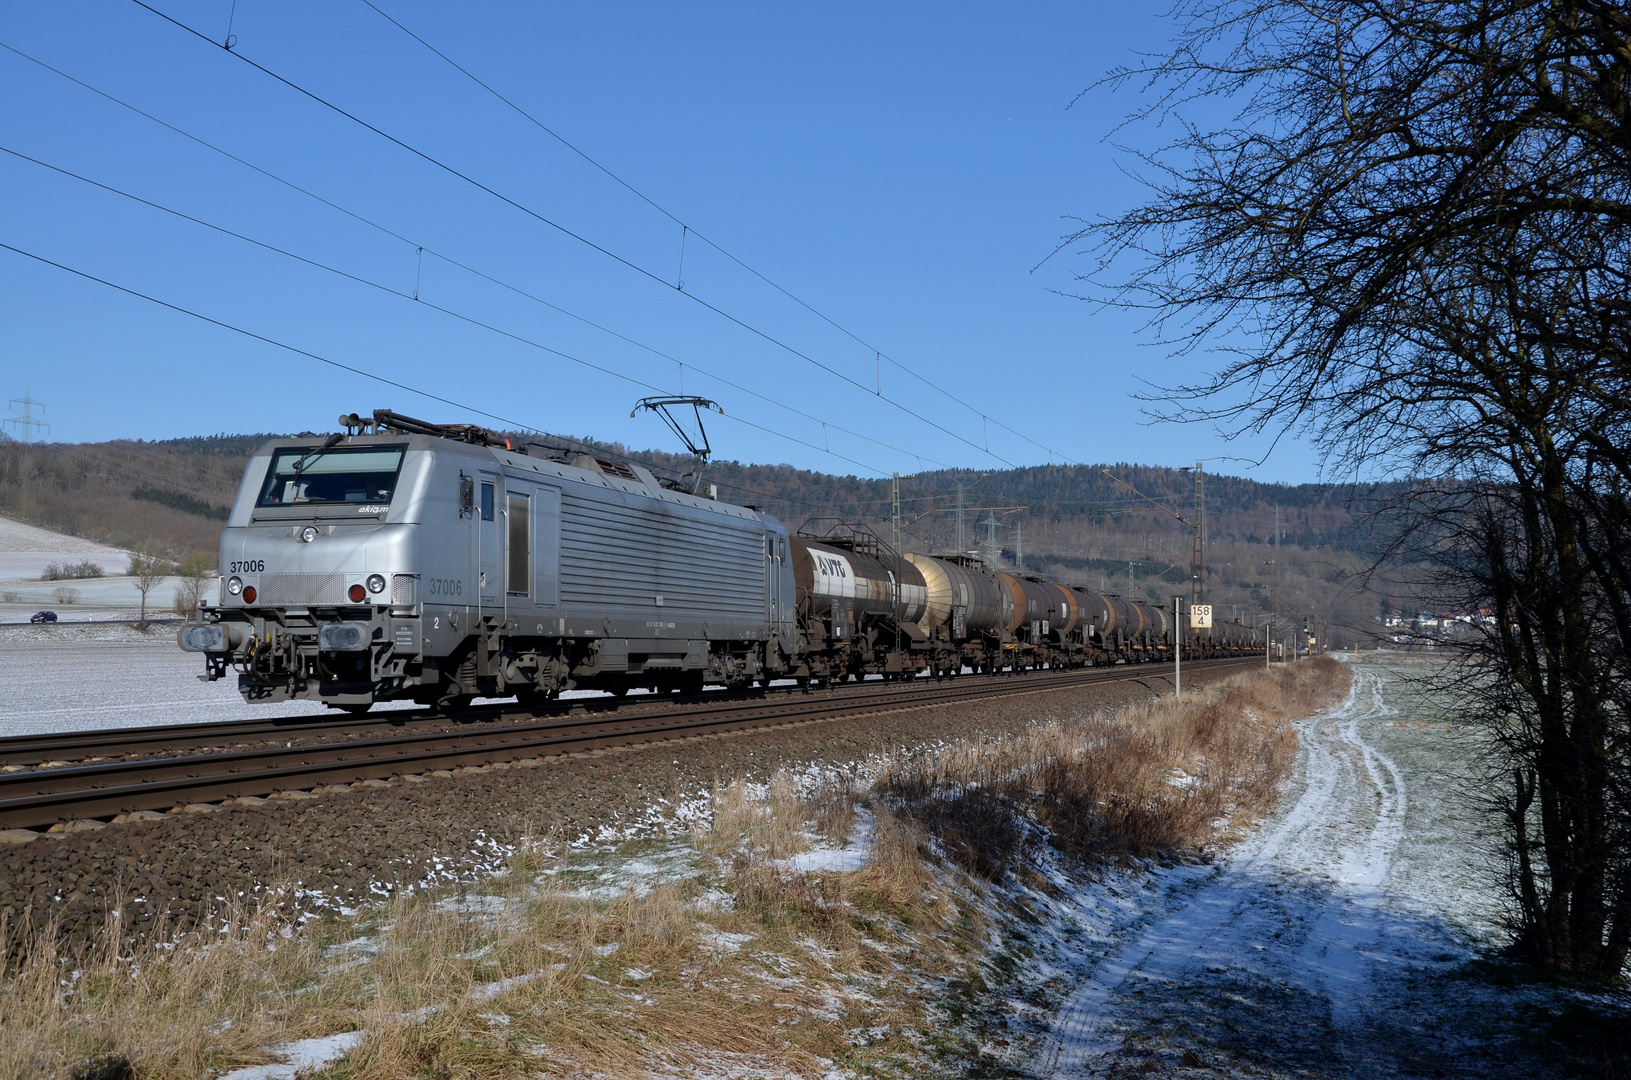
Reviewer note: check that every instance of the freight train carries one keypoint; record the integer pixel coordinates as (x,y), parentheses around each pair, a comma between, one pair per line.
(400,559)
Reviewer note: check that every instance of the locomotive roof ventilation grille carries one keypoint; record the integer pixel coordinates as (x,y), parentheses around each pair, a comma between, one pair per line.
(590,463)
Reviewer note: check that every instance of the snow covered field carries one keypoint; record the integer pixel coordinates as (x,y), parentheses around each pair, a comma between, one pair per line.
(25,552)
(77,678)
(1327,944)
(23,545)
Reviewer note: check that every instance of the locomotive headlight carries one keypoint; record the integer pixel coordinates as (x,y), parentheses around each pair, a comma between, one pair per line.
(376,583)
(235,586)
(308,534)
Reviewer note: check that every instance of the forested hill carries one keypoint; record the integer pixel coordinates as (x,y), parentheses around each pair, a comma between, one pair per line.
(1073,523)
(1237,509)
(93,488)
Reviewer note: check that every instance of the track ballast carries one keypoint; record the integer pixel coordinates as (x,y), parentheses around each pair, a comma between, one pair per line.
(38,798)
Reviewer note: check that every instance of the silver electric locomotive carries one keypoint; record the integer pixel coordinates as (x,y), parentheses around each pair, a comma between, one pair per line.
(438,563)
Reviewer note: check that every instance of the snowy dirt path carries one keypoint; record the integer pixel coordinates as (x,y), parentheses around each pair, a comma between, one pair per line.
(1291,957)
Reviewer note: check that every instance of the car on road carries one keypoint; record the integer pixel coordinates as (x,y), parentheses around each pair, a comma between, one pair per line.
(43,616)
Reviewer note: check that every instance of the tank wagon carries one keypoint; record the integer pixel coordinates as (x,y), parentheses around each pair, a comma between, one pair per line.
(409,560)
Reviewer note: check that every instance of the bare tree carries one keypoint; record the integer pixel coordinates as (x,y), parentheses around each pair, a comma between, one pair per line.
(1410,243)
(195,572)
(148,570)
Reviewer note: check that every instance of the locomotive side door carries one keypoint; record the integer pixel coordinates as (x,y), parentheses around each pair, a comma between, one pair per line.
(773,581)
(489,529)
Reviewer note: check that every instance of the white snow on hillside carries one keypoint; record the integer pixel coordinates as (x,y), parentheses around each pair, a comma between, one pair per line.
(25,552)
(26,549)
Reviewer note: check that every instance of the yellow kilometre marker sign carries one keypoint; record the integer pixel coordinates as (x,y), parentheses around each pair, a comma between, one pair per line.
(1200,616)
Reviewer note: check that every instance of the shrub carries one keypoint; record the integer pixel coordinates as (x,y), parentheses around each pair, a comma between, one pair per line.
(71,571)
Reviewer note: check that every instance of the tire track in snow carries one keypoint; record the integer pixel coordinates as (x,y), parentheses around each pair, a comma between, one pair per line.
(1344,943)
(1315,872)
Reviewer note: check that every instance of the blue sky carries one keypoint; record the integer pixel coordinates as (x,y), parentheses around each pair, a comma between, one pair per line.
(900,168)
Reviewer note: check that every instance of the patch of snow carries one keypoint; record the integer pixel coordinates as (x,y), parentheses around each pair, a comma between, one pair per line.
(489,991)
(119,678)
(476,904)
(852,856)
(722,941)
(306,1055)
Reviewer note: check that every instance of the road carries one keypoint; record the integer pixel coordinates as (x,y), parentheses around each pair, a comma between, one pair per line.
(1318,947)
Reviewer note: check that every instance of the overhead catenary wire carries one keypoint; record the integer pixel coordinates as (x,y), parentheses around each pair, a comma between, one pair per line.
(570,233)
(640,383)
(420,251)
(385,288)
(363,372)
(469,269)
(343,210)
(688,229)
(512,424)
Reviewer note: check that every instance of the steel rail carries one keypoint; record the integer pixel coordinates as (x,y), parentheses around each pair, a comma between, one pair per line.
(43,797)
(77,746)
(69,746)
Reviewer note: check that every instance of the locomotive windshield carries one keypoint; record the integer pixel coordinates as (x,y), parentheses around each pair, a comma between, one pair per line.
(310,476)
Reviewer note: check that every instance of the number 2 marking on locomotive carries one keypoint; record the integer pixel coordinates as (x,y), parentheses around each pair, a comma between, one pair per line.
(436,622)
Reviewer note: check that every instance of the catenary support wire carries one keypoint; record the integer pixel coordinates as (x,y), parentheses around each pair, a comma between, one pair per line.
(552,133)
(518,291)
(564,230)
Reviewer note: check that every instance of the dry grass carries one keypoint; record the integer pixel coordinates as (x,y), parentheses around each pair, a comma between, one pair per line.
(1160,780)
(670,957)
(199,1002)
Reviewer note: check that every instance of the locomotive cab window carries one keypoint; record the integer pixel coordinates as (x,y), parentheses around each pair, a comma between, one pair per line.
(486,502)
(312,476)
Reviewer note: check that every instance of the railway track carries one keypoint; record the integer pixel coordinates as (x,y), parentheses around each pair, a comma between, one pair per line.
(42,797)
(63,748)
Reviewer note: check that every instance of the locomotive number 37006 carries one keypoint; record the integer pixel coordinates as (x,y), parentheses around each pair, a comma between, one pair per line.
(249,566)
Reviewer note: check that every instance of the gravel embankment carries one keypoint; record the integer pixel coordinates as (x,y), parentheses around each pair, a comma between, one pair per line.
(350,846)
